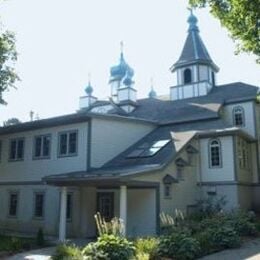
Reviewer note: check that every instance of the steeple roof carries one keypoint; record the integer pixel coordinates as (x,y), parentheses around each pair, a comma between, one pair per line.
(194,50)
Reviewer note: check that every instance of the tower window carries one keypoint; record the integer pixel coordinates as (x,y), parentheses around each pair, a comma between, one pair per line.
(215,153)
(187,76)
(238,116)
(213,78)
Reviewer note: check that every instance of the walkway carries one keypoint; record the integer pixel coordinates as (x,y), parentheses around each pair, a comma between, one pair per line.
(249,250)
(39,254)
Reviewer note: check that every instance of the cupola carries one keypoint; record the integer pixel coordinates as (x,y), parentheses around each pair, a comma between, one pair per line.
(195,69)
(87,100)
(121,82)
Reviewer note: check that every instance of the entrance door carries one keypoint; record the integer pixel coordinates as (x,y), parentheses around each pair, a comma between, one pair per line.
(105,205)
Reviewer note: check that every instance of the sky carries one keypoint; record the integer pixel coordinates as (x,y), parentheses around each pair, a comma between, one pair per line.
(61,41)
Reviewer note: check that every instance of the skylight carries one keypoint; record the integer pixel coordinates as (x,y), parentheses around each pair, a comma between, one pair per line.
(148,149)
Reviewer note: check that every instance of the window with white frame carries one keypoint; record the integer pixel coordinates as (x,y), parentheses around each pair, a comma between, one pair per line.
(42,146)
(68,143)
(238,116)
(187,76)
(39,204)
(243,155)
(215,159)
(13,204)
(16,149)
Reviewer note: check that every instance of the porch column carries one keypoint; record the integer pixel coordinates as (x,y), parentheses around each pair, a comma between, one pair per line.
(123,206)
(63,209)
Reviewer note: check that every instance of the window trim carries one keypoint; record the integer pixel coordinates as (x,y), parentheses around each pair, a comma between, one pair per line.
(234,116)
(11,192)
(34,148)
(169,186)
(10,141)
(210,155)
(43,206)
(58,148)
(184,76)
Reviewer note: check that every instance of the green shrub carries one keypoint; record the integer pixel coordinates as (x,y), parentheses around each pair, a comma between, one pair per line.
(146,247)
(243,222)
(40,238)
(67,252)
(178,246)
(14,244)
(117,248)
(92,252)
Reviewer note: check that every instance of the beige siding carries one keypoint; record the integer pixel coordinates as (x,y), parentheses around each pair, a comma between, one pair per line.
(184,193)
(224,173)
(33,170)
(111,137)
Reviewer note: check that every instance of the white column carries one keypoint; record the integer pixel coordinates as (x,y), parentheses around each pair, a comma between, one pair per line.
(123,206)
(63,209)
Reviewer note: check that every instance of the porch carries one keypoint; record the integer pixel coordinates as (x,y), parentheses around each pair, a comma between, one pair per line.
(135,202)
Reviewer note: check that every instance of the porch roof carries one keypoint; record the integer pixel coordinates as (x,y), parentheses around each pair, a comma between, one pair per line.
(103,177)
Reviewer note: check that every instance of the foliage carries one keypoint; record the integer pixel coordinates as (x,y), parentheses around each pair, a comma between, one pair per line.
(92,252)
(211,205)
(169,223)
(241,18)
(146,247)
(12,121)
(8,57)
(67,252)
(15,244)
(117,248)
(179,245)
(115,226)
(40,238)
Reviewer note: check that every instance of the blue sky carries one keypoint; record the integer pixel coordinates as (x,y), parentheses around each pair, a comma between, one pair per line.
(61,41)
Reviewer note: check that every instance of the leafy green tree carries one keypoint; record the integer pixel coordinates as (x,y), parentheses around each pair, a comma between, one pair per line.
(241,18)
(8,57)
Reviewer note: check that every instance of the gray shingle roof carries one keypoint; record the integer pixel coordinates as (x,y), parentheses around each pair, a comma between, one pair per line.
(198,108)
(194,50)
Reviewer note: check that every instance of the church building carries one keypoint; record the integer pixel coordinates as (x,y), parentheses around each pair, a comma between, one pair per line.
(134,158)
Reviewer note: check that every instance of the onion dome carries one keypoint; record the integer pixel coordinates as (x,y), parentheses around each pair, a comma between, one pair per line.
(89,89)
(152,93)
(192,20)
(122,70)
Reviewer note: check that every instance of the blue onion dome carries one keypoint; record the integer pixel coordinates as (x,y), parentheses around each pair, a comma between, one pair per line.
(119,71)
(152,93)
(192,20)
(128,79)
(89,89)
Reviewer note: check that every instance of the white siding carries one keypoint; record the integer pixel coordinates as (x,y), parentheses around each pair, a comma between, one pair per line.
(111,137)
(249,116)
(224,173)
(33,170)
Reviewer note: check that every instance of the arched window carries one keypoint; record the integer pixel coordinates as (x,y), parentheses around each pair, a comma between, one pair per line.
(215,159)
(187,76)
(238,116)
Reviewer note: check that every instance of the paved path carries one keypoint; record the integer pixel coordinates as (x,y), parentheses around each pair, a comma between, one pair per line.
(39,254)
(249,250)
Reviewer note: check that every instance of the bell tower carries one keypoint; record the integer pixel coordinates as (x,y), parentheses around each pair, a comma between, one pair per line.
(195,69)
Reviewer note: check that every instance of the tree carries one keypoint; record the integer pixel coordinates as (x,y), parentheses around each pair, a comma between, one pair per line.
(12,121)
(241,18)
(8,57)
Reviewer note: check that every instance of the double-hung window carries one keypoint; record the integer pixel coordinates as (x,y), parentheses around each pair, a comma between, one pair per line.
(16,149)
(39,204)
(42,146)
(13,204)
(68,143)
(238,116)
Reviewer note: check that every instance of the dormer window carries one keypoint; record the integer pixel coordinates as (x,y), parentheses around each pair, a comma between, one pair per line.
(238,116)
(187,76)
